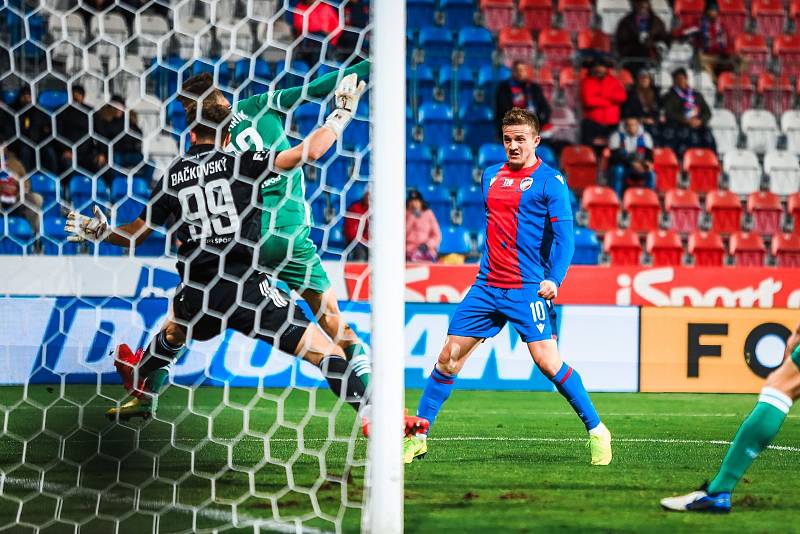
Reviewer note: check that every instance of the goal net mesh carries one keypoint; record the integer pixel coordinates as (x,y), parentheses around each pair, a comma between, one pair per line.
(242,440)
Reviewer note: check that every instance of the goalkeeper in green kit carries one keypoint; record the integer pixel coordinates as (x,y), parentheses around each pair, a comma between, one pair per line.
(287,250)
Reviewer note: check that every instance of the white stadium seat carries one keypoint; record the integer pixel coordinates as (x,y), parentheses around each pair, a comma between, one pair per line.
(725,128)
(272,46)
(761,129)
(148,110)
(704,83)
(790,126)
(262,10)
(783,169)
(611,12)
(241,43)
(161,149)
(679,55)
(194,37)
(743,170)
(663,9)
(150,30)
(129,81)
(564,125)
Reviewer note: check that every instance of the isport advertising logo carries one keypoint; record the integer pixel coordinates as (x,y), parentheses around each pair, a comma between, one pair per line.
(50,340)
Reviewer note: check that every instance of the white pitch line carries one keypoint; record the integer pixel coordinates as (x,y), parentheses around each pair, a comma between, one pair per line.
(242,520)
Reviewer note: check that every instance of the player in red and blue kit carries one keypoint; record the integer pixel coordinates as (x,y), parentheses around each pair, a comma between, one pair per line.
(529,246)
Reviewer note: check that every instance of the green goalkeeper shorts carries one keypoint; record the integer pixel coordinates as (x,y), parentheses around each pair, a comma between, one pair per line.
(291,256)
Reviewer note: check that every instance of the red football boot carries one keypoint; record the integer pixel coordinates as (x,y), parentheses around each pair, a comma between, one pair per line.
(415,426)
(125,361)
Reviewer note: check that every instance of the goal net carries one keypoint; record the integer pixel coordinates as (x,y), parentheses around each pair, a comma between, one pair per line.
(245,436)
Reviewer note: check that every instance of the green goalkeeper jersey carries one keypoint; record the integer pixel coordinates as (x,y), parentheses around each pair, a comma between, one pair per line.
(258,124)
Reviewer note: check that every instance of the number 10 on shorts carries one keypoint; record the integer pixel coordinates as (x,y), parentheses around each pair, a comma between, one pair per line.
(538,311)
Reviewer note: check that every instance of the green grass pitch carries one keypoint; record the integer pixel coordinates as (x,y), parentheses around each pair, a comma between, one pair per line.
(498,462)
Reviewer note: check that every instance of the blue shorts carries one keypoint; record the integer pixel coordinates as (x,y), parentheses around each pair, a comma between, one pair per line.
(486,310)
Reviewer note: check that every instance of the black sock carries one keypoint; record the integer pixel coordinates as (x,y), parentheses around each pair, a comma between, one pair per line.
(159,353)
(343,381)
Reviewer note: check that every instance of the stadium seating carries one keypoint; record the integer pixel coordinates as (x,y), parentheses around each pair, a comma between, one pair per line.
(516,45)
(769,16)
(743,170)
(733,16)
(793,208)
(580,165)
(568,82)
(737,91)
(689,11)
(707,249)
(563,125)
(725,211)
(766,212)
(622,247)
(665,164)
(544,77)
(498,14)
(477,47)
(725,129)
(491,154)
(437,123)
(610,13)
(126,210)
(665,248)
(577,14)
(702,167)
(17,236)
(489,77)
(536,14)
(752,48)
(440,201)
(478,125)
(602,206)
(783,169)
(420,13)
(54,238)
(437,45)
(306,117)
(555,46)
(46,185)
(587,247)
(594,40)
(419,167)
(548,157)
(455,240)
(422,84)
(684,209)
(458,86)
(786,250)
(455,162)
(786,48)
(663,9)
(761,130)
(473,211)
(139,188)
(790,126)
(775,91)
(747,249)
(458,13)
(643,209)
(794,12)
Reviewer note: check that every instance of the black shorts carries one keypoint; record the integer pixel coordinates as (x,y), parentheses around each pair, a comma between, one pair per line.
(253,307)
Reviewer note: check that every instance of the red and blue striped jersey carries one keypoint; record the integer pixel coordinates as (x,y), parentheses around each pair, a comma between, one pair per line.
(529,236)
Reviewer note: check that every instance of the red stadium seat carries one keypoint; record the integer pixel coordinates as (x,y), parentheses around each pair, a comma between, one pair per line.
(577,14)
(593,39)
(794,12)
(625,77)
(536,14)
(643,208)
(516,45)
(665,247)
(602,205)
(786,249)
(665,163)
(623,247)
(752,48)
(766,210)
(580,165)
(498,14)
(702,166)
(733,16)
(776,92)
(707,249)
(684,209)
(725,210)
(689,11)
(556,47)
(569,82)
(787,49)
(737,91)
(748,249)
(793,207)
(769,15)
(545,78)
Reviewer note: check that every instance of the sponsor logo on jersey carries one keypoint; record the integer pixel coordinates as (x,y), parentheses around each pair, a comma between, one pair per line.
(525,184)
(508,182)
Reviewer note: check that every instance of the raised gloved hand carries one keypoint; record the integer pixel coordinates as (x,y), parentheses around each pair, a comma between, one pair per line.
(346,97)
(85,228)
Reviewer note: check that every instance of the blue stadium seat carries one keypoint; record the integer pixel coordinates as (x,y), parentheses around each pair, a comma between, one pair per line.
(480,240)
(455,240)
(423,83)
(356,135)
(440,201)
(420,13)
(573,203)
(293,77)
(154,245)
(491,154)
(477,45)
(46,185)
(127,210)
(210,65)
(306,117)
(587,247)
(54,238)
(241,71)
(456,164)
(546,154)
(437,124)
(458,86)
(53,100)
(10,96)
(489,78)
(17,236)
(176,116)
(473,212)
(409,124)
(458,13)
(479,126)
(140,188)
(333,241)
(319,206)
(419,167)
(438,46)
(84,191)
(363,164)
(335,169)
(354,192)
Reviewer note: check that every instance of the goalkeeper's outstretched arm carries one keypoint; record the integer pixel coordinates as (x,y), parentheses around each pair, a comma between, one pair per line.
(96,229)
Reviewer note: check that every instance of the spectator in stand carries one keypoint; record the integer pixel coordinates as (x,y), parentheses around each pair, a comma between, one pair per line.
(423,236)
(602,94)
(316,18)
(641,36)
(687,116)
(631,157)
(72,126)
(356,228)
(119,144)
(16,197)
(714,45)
(520,92)
(34,129)
(644,103)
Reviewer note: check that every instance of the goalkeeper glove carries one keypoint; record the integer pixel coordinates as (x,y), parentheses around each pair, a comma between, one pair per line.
(85,228)
(346,98)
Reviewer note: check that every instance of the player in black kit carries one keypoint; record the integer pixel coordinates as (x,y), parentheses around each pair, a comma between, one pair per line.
(210,201)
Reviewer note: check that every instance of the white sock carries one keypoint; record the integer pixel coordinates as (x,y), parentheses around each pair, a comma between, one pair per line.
(599,430)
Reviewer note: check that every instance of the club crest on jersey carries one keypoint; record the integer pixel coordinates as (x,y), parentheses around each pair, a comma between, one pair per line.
(526,184)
